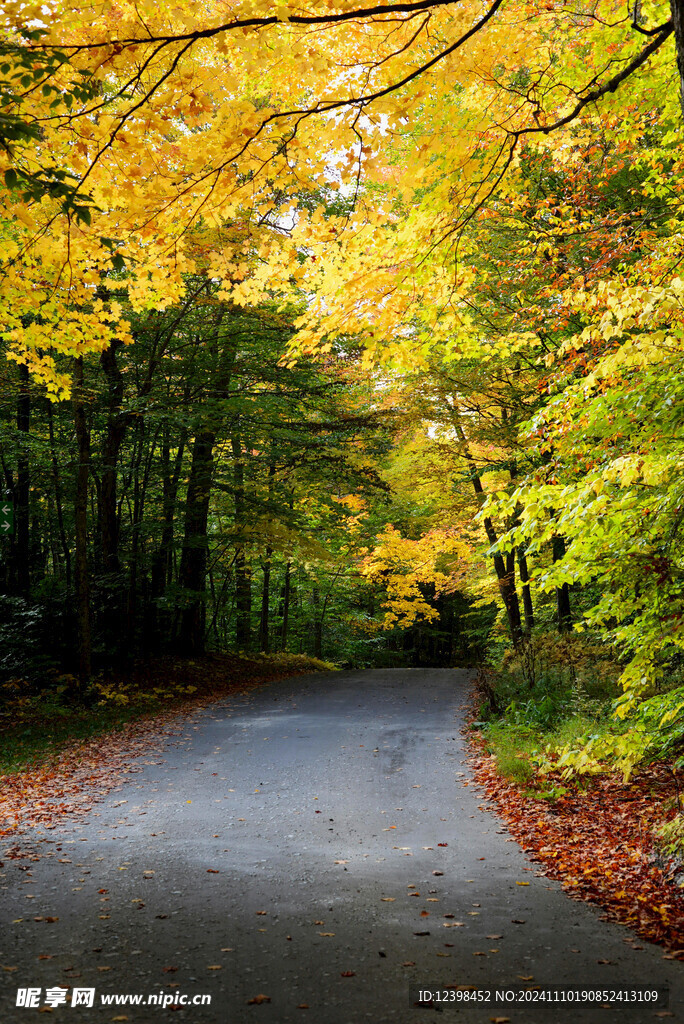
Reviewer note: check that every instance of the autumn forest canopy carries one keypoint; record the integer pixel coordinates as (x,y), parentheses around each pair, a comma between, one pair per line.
(347,330)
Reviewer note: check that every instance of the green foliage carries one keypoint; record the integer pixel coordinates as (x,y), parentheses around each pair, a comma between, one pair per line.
(670,837)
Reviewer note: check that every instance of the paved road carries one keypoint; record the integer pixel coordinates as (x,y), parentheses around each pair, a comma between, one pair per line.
(317,842)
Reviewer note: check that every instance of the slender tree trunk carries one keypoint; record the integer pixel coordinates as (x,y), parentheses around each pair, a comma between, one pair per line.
(162,561)
(677,9)
(193,567)
(265,604)
(526,594)
(505,570)
(82,578)
(317,624)
(243,575)
(23,488)
(114,436)
(57,483)
(563,610)
(286,606)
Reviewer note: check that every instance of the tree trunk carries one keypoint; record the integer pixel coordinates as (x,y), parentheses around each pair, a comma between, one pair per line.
(526,594)
(286,606)
(23,488)
(82,578)
(193,565)
(505,570)
(563,611)
(317,624)
(677,9)
(243,575)
(265,603)
(114,436)
(162,567)
(56,479)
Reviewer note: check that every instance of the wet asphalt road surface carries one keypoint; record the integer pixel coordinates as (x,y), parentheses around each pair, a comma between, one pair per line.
(317,843)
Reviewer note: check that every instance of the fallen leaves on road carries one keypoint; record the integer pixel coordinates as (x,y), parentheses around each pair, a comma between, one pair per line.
(83,772)
(598,842)
(257,1000)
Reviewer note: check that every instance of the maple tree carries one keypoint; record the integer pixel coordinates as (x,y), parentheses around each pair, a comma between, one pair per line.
(483,198)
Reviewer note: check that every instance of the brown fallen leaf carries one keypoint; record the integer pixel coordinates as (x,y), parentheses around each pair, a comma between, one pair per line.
(495,936)
(425,913)
(120,1018)
(409,963)
(104,969)
(437,872)
(500,1020)
(347,974)
(453,924)
(301,1006)
(213,871)
(319,922)
(214,967)
(327,935)
(387,899)
(169,970)
(262,913)
(442,844)
(526,977)
(257,1000)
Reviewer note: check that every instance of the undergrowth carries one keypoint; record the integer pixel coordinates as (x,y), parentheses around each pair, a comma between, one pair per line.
(550,710)
(37,723)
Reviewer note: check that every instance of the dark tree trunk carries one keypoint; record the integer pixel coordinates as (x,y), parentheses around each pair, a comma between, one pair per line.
(286,606)
(193,567)
(563,611)
(243,575)
(264,645)
(317,625)
(162,562)
(526,594)
(82,578)
(57,483)
(505,570)
(677,9)
(114,437)
(23,488)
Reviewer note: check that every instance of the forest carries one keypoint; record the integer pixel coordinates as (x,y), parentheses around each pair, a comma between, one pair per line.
(352,333)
